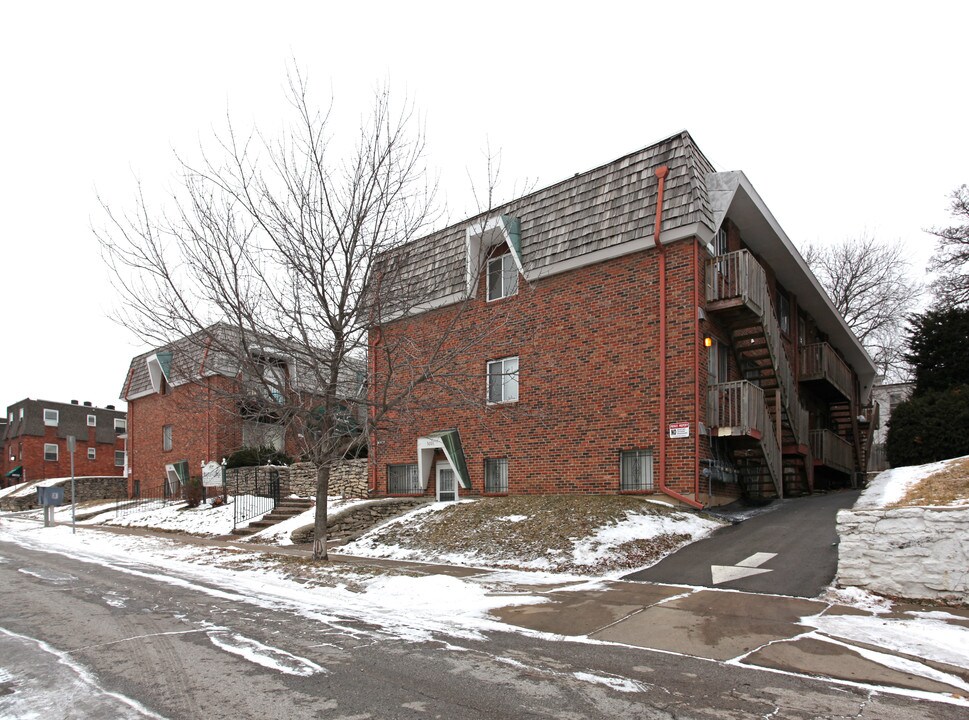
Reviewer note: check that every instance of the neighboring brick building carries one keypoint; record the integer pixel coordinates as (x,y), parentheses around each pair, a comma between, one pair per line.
(581,357)
(190,401)
(35,441)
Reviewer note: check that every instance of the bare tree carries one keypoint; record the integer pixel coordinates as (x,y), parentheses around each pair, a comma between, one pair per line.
(951,259)
(868,283)
(282,241)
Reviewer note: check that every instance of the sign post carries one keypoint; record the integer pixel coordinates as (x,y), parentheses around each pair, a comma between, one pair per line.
(71,444)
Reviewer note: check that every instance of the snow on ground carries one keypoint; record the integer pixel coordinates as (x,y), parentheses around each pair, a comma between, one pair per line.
(13,489)
(892,485)
(281,533)
(436,604)
(202,520)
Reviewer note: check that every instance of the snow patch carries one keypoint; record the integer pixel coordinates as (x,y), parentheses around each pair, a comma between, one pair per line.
(619,684)
(892,485)
(264,655)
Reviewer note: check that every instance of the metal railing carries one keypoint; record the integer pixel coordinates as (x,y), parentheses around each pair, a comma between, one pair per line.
(741,405)
(820,362)
(832,450)
(738,275)
(253,491)
(148,498)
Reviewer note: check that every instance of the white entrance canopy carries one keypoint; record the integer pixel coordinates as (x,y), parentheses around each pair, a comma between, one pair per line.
(450,442)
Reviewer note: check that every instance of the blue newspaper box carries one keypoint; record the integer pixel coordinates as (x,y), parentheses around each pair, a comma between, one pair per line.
(50,495)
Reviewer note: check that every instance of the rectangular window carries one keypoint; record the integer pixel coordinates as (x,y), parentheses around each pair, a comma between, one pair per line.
(21,413)
(801,331)
(636,470)
(119,458)
(92,420)
(167,438)
(496,475)
(50,452)
(502,277)
(503,380)
(783,310)
(717,363)
(11,417)
(403,480)
(720,241)
(51,417)
(120,425)
(92,453)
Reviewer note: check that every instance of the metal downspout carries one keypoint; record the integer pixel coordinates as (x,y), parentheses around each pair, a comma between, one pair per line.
(661,172)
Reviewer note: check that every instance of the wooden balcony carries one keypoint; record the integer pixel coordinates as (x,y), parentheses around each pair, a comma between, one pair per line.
(736,280)
(827,373)
(830,450)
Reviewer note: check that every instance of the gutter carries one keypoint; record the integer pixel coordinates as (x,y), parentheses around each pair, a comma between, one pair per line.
(661,172)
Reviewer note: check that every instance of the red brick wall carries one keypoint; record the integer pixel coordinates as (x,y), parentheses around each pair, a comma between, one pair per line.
(588,376)
(28,450)
(204,424)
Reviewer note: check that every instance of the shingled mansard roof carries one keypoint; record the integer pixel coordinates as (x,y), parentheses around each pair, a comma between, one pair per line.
(213,351)
(608,212)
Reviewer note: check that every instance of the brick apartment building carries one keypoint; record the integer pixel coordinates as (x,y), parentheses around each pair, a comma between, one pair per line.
(643,327)
(35,441)
(191,401)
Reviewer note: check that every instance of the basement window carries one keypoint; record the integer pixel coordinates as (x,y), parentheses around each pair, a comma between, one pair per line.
(496,475)
(403,480)
(636,470)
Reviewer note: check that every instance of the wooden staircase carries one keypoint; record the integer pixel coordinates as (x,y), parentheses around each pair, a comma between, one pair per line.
(287,508)
(737,293)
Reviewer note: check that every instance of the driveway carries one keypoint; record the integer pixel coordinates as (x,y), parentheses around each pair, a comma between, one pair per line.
(791,549)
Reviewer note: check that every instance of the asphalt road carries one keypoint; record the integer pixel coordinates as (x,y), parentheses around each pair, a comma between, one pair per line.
(792,549)
(81,640)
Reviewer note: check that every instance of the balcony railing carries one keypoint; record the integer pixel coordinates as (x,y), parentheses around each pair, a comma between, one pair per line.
(832,451)
(820,362)
(738,408)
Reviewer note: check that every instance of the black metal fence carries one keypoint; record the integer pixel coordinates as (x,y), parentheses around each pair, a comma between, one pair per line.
(147,498)
(253,491)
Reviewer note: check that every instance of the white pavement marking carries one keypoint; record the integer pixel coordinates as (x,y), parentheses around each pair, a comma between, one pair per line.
(745,568)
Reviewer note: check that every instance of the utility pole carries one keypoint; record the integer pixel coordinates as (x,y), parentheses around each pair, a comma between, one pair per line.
(71,444)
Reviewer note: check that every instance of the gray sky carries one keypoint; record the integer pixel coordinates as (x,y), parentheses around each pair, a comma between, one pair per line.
(847,118)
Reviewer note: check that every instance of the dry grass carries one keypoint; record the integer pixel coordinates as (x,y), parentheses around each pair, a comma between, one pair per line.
(946,487)
(490,529)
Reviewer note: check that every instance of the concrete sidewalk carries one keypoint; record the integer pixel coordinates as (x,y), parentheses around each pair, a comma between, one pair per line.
(721,625)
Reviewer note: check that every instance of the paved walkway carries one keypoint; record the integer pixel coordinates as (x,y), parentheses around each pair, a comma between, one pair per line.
(722,625)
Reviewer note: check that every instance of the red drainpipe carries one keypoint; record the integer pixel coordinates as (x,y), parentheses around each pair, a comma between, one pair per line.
(661,173)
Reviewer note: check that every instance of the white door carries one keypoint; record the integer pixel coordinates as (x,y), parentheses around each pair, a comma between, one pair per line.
(447,485)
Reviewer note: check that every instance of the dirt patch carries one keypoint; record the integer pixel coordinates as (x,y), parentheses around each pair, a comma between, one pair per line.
(946,487)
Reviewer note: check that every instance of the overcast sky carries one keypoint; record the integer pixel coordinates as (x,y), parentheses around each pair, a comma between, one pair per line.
(847,118)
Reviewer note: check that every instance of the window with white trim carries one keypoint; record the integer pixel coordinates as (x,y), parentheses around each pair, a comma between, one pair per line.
(502,277)
(503,380)
(92,453)
(783,310)
(403,480)
(496,475)
(119,459)
(120,425)
(51,417)
(166,438)
(50,452)
(92,420)
(21,413)
(636,470)
(720,241)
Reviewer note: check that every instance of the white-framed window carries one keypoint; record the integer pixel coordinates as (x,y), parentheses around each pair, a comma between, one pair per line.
(720,241)
(119,458)
(636,470)
(503,380)
(92,420)
(120,425)
(783,310)
(50,452)
(92,453)
(21,413)
(166,438)
(51,417)
(496,475)
(403,480)
(502,277)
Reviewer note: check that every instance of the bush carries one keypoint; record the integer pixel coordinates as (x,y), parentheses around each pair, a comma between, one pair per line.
(249,456)
(930,427)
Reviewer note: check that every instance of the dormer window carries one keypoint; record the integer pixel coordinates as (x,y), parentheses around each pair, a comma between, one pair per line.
(502,276)
(159,366)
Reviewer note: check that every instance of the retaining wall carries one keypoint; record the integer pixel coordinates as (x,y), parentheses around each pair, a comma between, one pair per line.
(918,553)
(347,478)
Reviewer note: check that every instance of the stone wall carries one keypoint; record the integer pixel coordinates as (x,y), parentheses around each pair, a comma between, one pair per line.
(914,552)
(88,488)
(348,478)
(360,518)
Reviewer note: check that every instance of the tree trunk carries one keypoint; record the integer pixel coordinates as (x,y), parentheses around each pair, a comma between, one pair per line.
(319,525)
